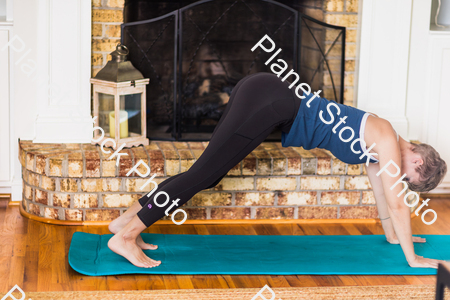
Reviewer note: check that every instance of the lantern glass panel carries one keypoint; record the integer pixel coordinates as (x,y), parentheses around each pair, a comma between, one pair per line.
(105,106)
(132,105)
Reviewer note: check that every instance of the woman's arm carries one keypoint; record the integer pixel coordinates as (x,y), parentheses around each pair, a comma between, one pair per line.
(389,151)
(382,207)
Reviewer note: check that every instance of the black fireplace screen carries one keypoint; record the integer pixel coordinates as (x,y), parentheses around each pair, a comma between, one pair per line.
(195,55)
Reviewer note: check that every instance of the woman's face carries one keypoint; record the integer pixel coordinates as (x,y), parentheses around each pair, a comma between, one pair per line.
(409,164)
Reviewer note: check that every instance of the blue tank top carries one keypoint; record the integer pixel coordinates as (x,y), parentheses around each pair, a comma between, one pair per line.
(309,131)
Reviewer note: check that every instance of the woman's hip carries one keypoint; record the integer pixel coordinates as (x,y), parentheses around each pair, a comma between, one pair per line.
(262,89)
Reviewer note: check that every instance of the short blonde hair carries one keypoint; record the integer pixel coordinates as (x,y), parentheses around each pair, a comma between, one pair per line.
(431,172)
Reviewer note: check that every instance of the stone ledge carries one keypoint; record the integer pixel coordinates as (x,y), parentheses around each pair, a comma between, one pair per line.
(77,182)
(171,158)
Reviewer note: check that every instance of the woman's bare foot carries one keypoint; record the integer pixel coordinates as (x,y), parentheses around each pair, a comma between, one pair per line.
(116,225)
(128,248)
(124,243)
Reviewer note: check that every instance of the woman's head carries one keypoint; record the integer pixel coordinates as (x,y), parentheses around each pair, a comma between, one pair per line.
(428,165)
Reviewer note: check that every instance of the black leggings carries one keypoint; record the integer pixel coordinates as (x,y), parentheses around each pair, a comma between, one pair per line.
(258,104)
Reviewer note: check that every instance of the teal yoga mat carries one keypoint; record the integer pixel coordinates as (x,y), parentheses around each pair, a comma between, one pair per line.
(258,254)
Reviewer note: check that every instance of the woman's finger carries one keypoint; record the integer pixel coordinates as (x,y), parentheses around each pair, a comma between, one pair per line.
(418,239)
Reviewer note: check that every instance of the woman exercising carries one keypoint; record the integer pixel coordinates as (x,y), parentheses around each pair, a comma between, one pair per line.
(258,104)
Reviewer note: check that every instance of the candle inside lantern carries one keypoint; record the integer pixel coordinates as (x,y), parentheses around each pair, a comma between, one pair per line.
(123,115)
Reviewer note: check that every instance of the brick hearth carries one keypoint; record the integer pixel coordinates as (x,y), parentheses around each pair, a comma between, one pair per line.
(77,182)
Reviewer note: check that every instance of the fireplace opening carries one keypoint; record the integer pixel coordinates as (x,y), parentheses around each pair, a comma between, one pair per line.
(195,53)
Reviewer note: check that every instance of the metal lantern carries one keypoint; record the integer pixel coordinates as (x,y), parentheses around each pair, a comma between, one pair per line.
(119,102)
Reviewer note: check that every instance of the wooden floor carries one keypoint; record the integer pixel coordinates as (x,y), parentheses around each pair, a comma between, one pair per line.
(33,255)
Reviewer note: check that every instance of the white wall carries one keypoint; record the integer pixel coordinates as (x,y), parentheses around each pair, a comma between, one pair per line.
(7,182)
(5,167)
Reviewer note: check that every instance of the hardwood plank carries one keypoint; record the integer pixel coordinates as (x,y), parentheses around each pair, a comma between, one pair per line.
(278,281)
(306,280)
(428,279)
(265,229)
(3,206)
(232,229)
(366,280)
(60,262)
(351,229)
(201,229)
(374,228)
(16,272)
(177,229)
(290,229)
(17,265)
(154,229)
(363,229)
(7,231)
(413,280)
(150,282)
(123,282)
(45,258)
(334,229)
(295,281)
(30,280)
(5,268)
(205,281)
(225,281)
(184,281)
(170,282)
(19,244)
(327,280)
(347,280)
(248,281)
(312,229)
(21,226)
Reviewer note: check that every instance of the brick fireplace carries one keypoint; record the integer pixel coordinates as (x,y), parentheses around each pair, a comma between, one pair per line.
(75,182)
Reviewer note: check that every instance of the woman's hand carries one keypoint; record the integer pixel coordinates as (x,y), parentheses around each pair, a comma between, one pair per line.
(415,239)
(421,262)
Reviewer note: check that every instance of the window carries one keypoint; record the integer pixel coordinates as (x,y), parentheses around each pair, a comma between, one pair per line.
(2,10)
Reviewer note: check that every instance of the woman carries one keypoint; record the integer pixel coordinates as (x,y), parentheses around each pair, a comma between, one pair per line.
(258,104)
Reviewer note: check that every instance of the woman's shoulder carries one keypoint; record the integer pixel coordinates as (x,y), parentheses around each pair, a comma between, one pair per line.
(379,130)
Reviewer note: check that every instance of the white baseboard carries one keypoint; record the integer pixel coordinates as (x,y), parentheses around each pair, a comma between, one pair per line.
(12,187)
(5,190)
(16,190)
